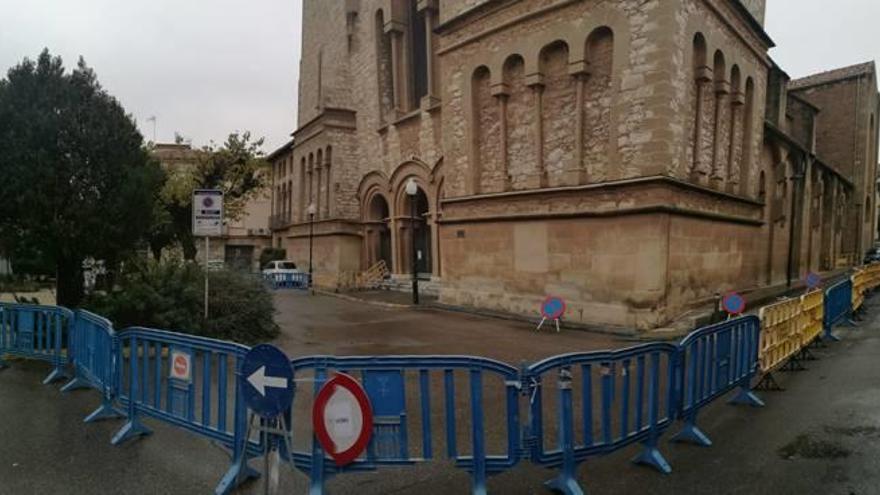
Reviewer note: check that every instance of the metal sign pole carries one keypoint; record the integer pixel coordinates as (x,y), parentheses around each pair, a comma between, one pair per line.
(207,254)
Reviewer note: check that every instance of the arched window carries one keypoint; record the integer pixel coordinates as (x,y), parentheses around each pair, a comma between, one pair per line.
(700,92)
(328,161)
(748,129)
(418,58)
(384,68)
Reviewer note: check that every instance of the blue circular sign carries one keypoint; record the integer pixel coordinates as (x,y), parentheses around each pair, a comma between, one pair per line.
(553,308)
(267,381)
(814,280)
(734,303)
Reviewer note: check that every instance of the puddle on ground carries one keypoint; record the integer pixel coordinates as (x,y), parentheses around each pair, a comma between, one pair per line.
(807,447)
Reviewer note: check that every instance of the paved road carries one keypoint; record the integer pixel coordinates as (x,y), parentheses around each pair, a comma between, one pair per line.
(820,436)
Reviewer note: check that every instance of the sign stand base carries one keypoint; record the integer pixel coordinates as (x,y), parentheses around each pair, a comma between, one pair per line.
(270,429)
(545,319)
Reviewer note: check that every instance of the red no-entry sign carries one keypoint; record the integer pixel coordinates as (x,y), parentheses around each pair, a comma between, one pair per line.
(342,418)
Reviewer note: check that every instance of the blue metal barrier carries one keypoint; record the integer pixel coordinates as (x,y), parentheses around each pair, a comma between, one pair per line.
(288,280)
(625,397)
(36,332)
(185,381)
(838,306)
(715,360)
(385,379)
(93,354)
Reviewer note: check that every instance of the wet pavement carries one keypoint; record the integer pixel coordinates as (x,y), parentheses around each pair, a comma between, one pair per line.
(820,436)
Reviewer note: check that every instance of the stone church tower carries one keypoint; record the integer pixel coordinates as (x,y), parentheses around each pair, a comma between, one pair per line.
(612,152)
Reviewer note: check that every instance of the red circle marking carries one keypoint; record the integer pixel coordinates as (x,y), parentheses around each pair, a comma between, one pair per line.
(347,382)
(180,367)
(556,314)
(734,299)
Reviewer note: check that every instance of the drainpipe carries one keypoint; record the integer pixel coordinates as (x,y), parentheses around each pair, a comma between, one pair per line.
(796,193)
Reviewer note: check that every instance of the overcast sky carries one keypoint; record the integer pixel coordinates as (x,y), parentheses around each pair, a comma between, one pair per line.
(205,68)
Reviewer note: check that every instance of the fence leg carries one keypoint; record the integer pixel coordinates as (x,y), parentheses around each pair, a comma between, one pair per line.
(651,456)
(746,397)
(55,375)
(76,383)
(830,337)
(104,411)
(239,471)
(692,433)
(3,363)
(133,428)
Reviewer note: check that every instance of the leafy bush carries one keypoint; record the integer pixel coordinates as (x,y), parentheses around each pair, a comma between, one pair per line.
(170,296)
(271,254)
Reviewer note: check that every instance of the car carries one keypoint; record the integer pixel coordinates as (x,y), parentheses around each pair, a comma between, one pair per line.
(872,256)
(279,267)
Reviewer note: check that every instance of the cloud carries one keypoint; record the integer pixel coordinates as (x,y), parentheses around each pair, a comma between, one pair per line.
(204,68)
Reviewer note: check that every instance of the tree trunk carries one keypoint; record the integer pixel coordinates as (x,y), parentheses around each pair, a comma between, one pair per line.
(189,247)
(70,283)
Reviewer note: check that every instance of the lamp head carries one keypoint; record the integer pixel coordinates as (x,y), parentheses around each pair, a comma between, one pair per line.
(411,187)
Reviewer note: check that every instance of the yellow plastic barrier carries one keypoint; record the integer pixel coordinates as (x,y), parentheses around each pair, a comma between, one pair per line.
(859,283)
(781,334)
(812,312)
(873,276)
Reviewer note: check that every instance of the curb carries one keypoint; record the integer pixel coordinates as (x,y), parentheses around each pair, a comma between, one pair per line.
(381,304)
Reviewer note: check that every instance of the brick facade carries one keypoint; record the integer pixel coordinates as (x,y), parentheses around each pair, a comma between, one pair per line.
(615,153)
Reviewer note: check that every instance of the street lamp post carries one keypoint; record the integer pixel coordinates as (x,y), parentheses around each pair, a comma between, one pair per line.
(411,190)
(312,210)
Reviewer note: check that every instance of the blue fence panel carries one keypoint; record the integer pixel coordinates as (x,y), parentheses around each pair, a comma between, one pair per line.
(288,280)
(93,356)
(186,381)
(479,427)
(838,306)
(715,360)
(605,400)
(36,332)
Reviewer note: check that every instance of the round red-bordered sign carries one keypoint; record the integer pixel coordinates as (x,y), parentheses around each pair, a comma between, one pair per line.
(733,304)
(321,415)
(553,308)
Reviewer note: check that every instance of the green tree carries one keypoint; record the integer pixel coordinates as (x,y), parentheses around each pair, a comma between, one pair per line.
(76,179)
(237,167)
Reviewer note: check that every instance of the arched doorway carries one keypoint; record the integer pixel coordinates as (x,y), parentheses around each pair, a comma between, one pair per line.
(379,234)
(420,228)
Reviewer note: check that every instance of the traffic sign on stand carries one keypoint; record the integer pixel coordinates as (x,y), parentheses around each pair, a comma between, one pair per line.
(268,388)
(734,304)
(342,418)
(552,309)
(207,211)
(813,280)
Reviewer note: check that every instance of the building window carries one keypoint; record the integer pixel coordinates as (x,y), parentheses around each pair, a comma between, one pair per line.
(418,77)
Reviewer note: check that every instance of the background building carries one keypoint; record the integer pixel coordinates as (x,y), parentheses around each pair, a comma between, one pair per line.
(244,238)
(632,157)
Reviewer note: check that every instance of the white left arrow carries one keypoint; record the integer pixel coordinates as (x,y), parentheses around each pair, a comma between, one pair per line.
(260,381)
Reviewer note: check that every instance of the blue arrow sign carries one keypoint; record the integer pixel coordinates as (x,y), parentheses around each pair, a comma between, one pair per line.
(267,381)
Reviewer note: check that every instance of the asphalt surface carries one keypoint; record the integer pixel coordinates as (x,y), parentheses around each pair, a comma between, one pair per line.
(820,436)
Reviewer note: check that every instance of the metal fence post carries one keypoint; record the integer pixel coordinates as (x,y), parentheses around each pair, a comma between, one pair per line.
(239,471)
(477,431)
(316,471)
(566,482)
(134,427)
(651,455)
(57,327)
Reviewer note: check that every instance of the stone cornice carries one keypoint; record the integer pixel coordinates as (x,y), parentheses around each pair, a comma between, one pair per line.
(329,118)
(657,194)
